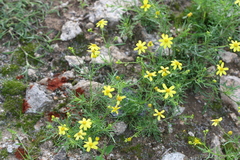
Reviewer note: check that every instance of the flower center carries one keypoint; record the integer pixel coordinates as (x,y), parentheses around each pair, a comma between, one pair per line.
(166,40)
(168,90)
(235,45)
(90,144)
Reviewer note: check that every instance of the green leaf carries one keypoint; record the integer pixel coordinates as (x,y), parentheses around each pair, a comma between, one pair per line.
(99,158)
(109,149)
(12,131)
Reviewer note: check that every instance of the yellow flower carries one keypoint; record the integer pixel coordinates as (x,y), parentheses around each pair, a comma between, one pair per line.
(159,114)
(166,41)
(140,47)
(157,13)
(164,71)
(102,23)
(119,99)
(90,144)
(239,109)
(150,75)
(157,89)
(168,91)
(80,135)
(235,45)
(114,109)
(150,44)
(93,46)
(128,139)
(117,78)
(94,53)
(97,139)
(216,121)
(62,129)
(85,124)
(150,105)
(189,14)
(230,133)
(237,2)
(221,69)
(176,65)
(107,91)
(195,141)
(145,5)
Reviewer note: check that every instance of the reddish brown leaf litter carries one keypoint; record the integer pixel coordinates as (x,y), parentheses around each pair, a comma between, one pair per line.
(20,153)
(19,77)
(79,91)
(25,106)
(55,114)
(56,83)
(50,114)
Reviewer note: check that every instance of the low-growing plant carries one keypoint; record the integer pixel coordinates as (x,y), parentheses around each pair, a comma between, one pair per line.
(169,66)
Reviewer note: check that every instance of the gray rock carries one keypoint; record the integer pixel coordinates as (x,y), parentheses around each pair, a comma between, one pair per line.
(70,30)
(37,99)
(174,156)
(228,57)
(110,10)
(178,111)
(230,82)
(215,145)
(111,55)
(32,73)
(61,155)
(85,85)
(68,75)
(89,25)
(119,128)
(74,60)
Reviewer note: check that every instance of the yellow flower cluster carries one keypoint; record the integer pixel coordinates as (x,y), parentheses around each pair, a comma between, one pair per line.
(165,42)
(84,125)
(94,50)
(164,70)
(107,92)
(195,141)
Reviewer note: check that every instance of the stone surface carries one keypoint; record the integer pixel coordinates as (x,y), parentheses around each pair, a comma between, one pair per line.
(85,85)
(174,156)
(110,10)
(178,111)
(216,147)
(228,57)
(68,75)
(112,54)
(70,30)
(119,128)
(37,99)
(74,60)
(230,84)
(61,155)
